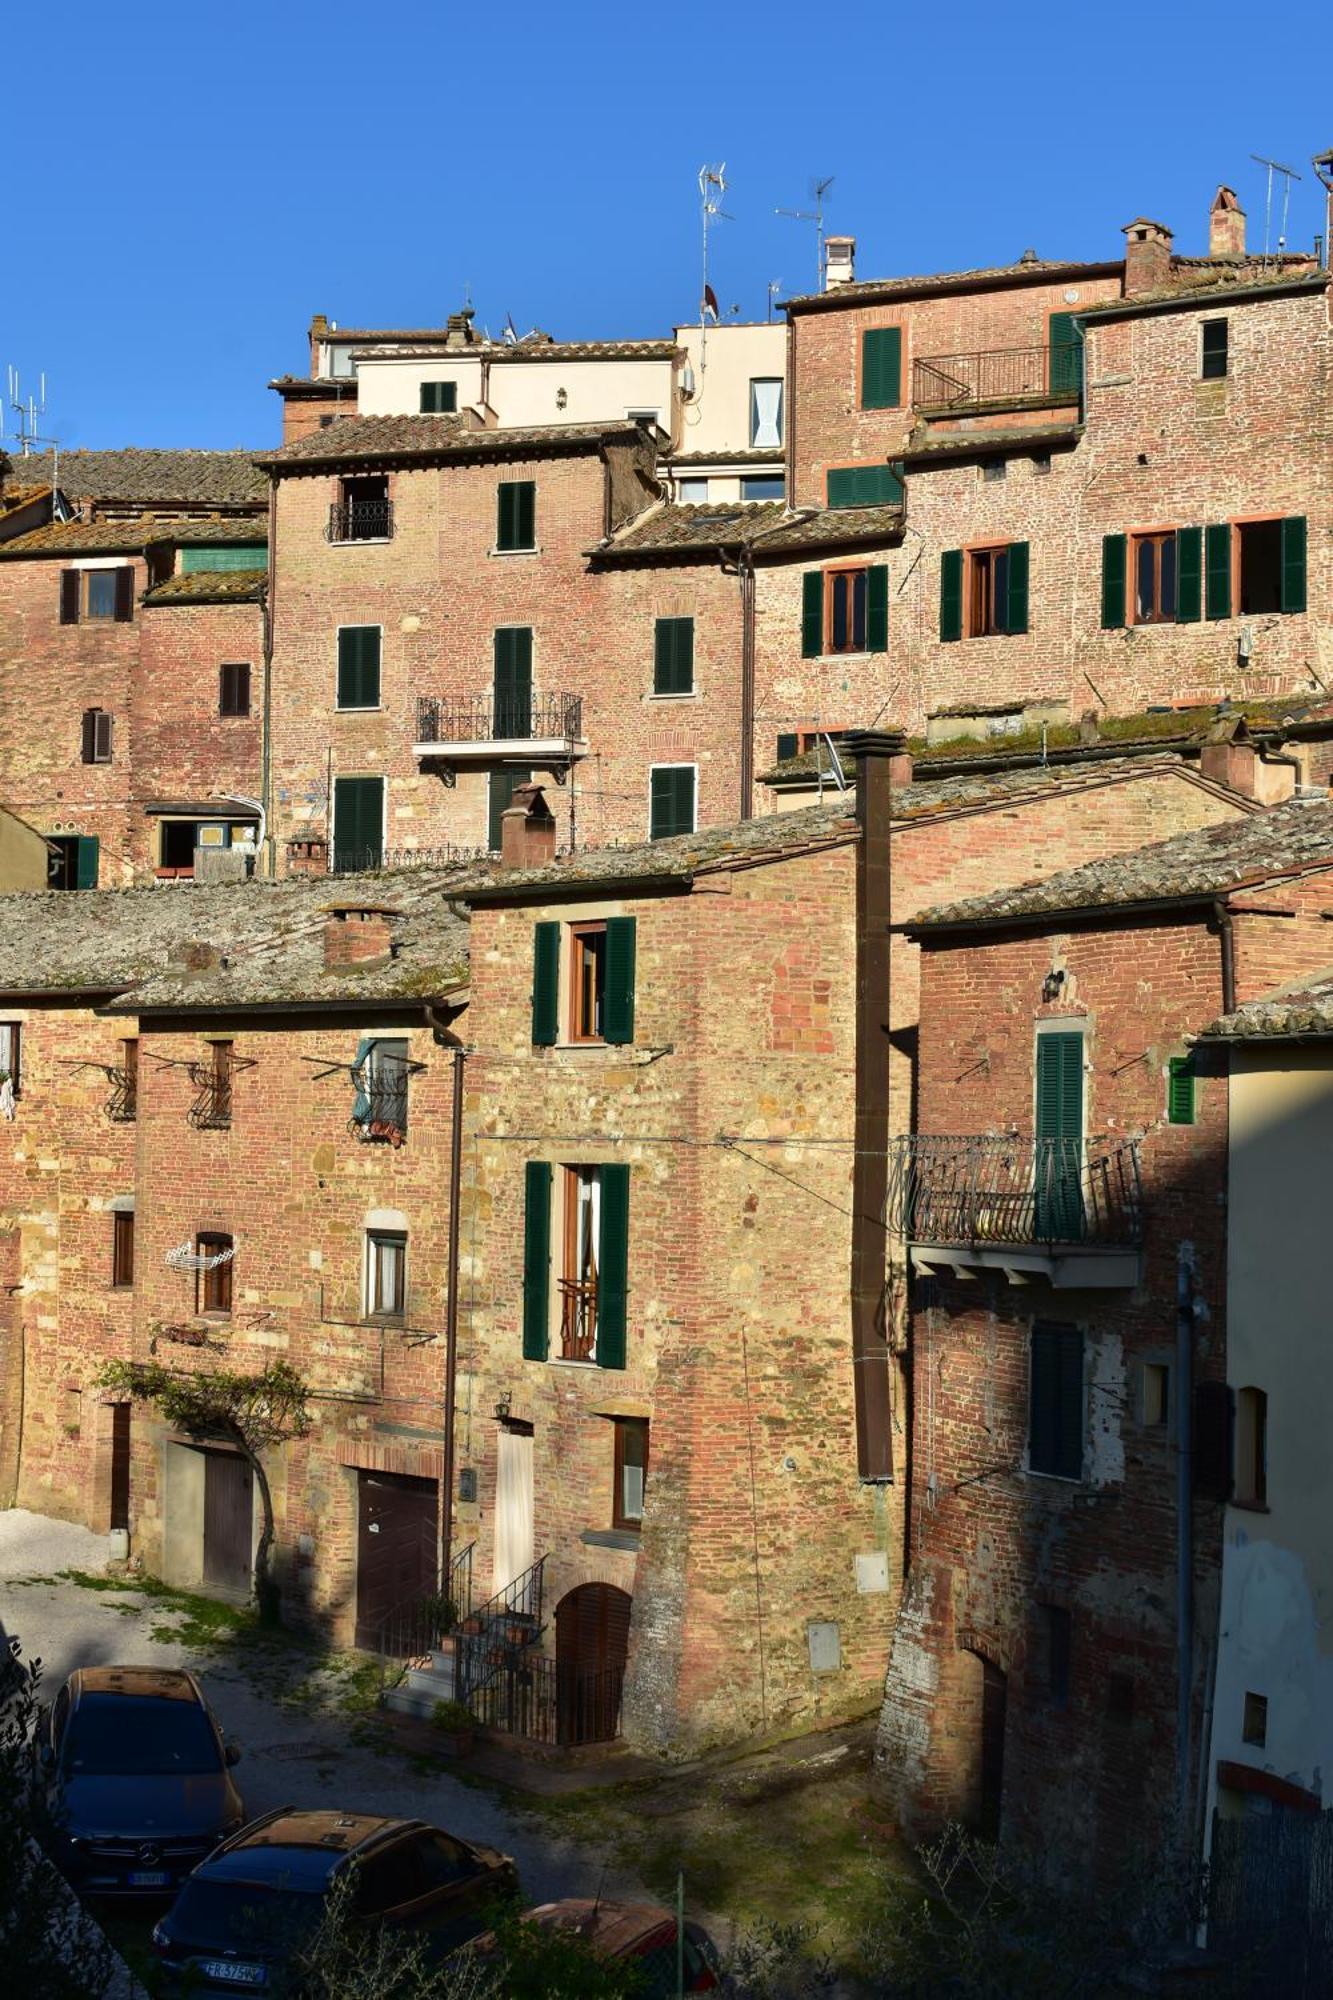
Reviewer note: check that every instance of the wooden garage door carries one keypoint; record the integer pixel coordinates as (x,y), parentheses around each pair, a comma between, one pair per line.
(395,1550)
(591,1644)
(228,1523)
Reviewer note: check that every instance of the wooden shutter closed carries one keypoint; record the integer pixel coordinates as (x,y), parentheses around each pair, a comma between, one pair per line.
(1114,559)
(1180,1091)
(881,368)
(86,855)
(618,1004)
(536,1259)
(673,656)
(1217,571)
(124,596)
(865,486)
(1293,564)
(516,519)
(1060,1086)
(812,614)
(1213,1439)
(877,608)
(671,803)
(358,823)
(439,398)
(545,985)
(951,594)
(1055,1403)
(70,581)
(1016,593)
(613,1273)
(513,681)
(359,666)
(1189,575)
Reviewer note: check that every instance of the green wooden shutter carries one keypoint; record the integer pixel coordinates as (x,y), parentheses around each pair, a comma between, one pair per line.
(439,398)
(1058,1163)
(1217,571)
(1180,1091)
(545,984)
(517,514)
(85,861)
(618,1005)
(1293,563)
(1016,595)
(881,368)
(788,746)
(358,823)
(877,608)
(1065,336)
(613,1268)
(536,1259)
(671,801)
(865,486)
(1114,555)
(513,681)
(243,555)
(1189,575)
(812,614)
(1069,1404)
(1060,1086)
(359,666)
(673,656)
(1055,1401)
(951,594)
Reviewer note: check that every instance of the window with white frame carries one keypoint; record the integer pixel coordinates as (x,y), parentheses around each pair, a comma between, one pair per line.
(386,1273)
(766,413)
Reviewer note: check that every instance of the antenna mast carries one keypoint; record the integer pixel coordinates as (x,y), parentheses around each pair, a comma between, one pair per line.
(819,190)
(712,187)
(25,432)
(1289,174)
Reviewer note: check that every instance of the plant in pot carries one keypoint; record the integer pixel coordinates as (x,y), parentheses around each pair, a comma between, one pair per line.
(457,1726)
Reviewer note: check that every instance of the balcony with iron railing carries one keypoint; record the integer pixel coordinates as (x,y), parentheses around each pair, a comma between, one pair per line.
(578,1318)
(1066,1210)
(1005,378)
(538,729)
(360,521)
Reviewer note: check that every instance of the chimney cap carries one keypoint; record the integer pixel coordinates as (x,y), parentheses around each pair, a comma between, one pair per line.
(874,742)
(1144,228)
(1029,256)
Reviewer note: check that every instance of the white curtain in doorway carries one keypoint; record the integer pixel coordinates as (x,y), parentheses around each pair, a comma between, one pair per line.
(513,1508)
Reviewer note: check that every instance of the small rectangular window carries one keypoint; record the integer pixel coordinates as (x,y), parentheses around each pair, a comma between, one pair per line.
(673,656)
(671,800)
(587,982)
(1154,575)
(516,515)
(1155,1394)
(1180,1091)
(364,512)
(386,1274)
(122,1248)
(439,398)
(380,1073)
(96,736)
(359,666)
(1120,1698)
(1041,463)
(631,1472)
(213,1279)
(766,413)
(1057,1633)
(578,1272)
(1055,1401)
(123,1103)
(10,1059)
(1250,1470)
(993,470)
(845,596)
(692,492)
(989,592)
(1213,349)
(1254,1719)
(762,486)
(234,689)
(1260,567)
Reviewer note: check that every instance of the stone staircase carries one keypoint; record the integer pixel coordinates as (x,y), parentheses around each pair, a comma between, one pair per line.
(496,1635)
(421,1687)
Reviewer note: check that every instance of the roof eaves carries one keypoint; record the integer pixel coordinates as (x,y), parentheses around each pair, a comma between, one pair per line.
(990,278)
(1186,298)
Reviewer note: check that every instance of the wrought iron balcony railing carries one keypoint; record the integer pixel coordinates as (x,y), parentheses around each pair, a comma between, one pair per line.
(578,1318)
(1000,375)
(487,718)
(360,521)
(122,1105)
(1001,1190)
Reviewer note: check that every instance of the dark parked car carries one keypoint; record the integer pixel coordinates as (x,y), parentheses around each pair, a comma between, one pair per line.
(137,1779)
(642,1932)
(261,1895)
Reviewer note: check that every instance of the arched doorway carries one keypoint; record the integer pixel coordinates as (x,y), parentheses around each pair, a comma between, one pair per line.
(591,1644)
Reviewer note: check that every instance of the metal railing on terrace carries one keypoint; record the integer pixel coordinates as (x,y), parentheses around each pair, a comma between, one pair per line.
(416,1626)
(489,718)
(360,521)
(1014,1191)
(998,375)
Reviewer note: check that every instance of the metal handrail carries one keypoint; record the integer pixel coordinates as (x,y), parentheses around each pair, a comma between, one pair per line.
(578,1318)
(551,1701)
(1007,1189)
(417,1625)
(491,718)
(360,521)
(483,1651)
(122,1105)
(996,375)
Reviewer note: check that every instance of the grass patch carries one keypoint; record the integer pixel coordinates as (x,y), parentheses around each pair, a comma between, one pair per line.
(185,1617)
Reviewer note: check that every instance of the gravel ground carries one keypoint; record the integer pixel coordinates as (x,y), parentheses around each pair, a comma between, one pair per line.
(294,1752)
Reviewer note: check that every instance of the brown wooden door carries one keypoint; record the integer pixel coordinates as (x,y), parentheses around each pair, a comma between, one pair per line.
(395,1547)
(994,1693)
(120,1466)
(228,1523)
(591,1644)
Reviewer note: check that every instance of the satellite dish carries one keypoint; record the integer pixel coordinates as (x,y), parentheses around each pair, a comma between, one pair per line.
(710,301)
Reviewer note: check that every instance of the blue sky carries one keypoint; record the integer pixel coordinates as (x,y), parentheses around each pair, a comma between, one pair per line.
(195,180)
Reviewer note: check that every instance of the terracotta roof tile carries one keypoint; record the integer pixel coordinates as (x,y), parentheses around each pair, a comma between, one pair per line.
(434,347)
(1305,1008)
(386,438)
(1032,270)
(767,526)
(976,443)
(151,478)
(132,536)
(210,586)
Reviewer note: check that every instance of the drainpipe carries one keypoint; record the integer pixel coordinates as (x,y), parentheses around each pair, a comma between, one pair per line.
(789,409)
(873,751)
(1226,929)
(1184,1520)
(745,575)
(444,1549)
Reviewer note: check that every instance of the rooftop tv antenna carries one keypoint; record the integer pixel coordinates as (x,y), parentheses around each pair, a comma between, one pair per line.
(819,195)
(26,434)
(712,187)
(1289,174)
(774,287)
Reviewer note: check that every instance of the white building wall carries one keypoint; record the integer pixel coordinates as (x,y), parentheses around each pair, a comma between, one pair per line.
(716,419)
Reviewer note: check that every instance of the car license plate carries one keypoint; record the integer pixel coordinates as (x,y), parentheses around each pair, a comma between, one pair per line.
(149,1878)
(232,1972)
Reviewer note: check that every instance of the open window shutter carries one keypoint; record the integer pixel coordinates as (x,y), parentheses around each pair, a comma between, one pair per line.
(103,727)
(951,594)
(1016,605)
(69,597)
(1066,354)
(526,508)
(1114,551)
(1217,571)
(545,984)
(1293,563)
(1214,1429)
(1189,575)
(812,614)
(85,861)
(613,1273)
(124,595)
(881,368)
(618,1012)
(505,523)
(877,608)
(88,748)
(361,1081)
(536,1259)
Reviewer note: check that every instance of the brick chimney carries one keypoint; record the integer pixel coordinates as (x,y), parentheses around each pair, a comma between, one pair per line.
(1228,756)
(527,830)
(1147,257)
(1226,225)
(357,934)
(839,262)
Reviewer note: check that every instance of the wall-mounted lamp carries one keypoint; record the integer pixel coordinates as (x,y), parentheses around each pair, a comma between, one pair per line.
(502,1409)
(1052,985)
(561,398)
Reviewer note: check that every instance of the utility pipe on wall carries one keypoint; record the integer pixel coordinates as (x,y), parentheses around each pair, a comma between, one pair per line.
(1184,1519)
(444,1547)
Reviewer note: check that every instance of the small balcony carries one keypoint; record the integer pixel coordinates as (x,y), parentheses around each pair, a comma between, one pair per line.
(578,1318)
(1067,1212)
(1004,378)
(531,729)
(360,521)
